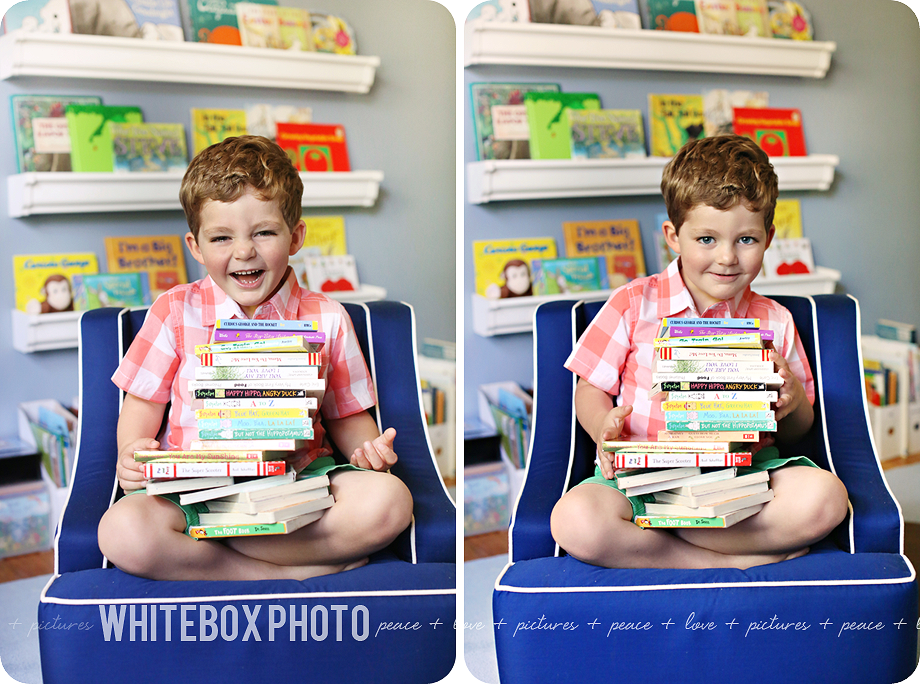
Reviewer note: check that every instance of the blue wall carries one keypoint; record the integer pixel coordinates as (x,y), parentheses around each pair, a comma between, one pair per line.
(864,111)
(404,127)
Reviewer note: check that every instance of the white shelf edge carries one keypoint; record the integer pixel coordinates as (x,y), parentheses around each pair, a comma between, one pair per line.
(515,315)
(823,281)
(364,293)
(523,179)
(565,45)
(64,55)
(64,193)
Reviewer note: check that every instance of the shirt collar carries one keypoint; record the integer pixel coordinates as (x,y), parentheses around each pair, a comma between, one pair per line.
(674,298)
(216,304)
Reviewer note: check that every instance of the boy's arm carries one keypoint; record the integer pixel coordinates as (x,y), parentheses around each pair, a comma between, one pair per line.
(357,437)
(138,425)
(794,413)
(600,418)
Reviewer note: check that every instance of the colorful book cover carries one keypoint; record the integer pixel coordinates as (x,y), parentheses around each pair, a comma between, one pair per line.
(790,20)
(213,21)
(210,126)
(753,18)
(163,471)
(717,17)
(35,151)
(42,281)
(674,120)
(619,241)
(607,134)
(777,131)
(789,256)
(719,415)
(148,147)
(751,323)
(263,119)
(295,29)
(712,366)
(157,19)
(333,34)
(91,137)
(699,459)
(222,372)
(313,341)
(569,275)
(315,147)
(548,120)
(252,529)
(144,456)
(161,257)
(501,10)
(331,273)
(94,291)
(672,15)
(225,404)
(268,324)
(46,16)
(500,118)
(287,343)
(787,219)
(258,360)
(325,236)
(502,267)
(617,14)
(258,24)
(694,425)
(719,105)
(250,414)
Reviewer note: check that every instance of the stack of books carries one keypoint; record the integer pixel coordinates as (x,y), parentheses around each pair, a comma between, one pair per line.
(253,394)
(717,383)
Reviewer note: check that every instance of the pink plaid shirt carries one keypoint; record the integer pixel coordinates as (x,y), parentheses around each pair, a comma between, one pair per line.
(161,359)
(615,352)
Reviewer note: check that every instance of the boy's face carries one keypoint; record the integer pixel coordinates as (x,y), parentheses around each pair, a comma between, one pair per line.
(245,245)
(721,252)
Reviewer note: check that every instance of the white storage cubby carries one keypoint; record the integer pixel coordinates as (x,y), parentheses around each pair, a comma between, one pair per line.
(896,427)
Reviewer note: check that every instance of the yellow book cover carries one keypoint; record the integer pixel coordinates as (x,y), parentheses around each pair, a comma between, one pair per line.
(325,236)
(162,257)
(788,219)
(210,126)
(296,29)
(619,241)
(503,266)
(673,121)
(259,25)
(43,281)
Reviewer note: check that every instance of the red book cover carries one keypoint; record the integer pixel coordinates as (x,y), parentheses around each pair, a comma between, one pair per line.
(777,131)
(314,147)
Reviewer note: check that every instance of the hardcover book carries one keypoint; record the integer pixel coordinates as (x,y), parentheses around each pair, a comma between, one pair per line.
(147,19)
(753,18)
(45,16)
(790,256)
(717,17)
(252,529)
(295,29)
(502,267)
(161,257)
(607,134)
(331,273)
(777,131)
(315,147)
(549,124)
(93,291)
(673,522)
(619,241)
(268,324)
(787,219)
(790,20)
(213,21)
(42,144)
(259,25)
(91,147)
(148,147)
(42,281)
(569,275)
(673,121)
(672,15)
(333,34)
(500,118)
(210,126)
(719,105)
(324,236)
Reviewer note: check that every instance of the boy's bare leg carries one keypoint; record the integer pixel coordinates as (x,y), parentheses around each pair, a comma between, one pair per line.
(808,503)
(593,523)
(370,510)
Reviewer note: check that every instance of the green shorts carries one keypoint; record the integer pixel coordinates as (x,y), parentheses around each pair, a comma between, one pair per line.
(767,458)
(321,466)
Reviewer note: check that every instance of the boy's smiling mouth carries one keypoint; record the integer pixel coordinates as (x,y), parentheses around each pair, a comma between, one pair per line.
(247,278)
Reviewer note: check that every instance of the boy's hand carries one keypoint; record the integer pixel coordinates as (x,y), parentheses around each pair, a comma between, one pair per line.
(610,428)
(131,473)
(376,455)
(792,393)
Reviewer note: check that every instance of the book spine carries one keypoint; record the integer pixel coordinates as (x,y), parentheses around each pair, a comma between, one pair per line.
(712,436)
(298,403)
(250,414)
(265,324)
(710,425)
(259,360)
(257,433)
(658,521)
(699,366)
(751,340)
(223,531)
(708,354)
(717,416)
(257,373)
(309,338)
(749,323)
(254,423)
(687,331)
(767,397)
(294,383)
(263,444)
(688,446)
(231,468)
(198,456)
(288,342)
(699,459)
(672,405)
(245,393)
(694,386)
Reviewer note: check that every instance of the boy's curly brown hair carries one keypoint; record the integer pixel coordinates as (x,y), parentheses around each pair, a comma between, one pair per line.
(719,172)
(225,170)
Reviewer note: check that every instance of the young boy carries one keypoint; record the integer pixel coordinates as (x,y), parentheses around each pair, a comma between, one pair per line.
(242,201)
(720,194)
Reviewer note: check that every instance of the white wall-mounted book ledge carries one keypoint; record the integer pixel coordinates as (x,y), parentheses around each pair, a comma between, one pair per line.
(515,314)
(531,179)
(67,193)
(563,45)
(364,293)
(823,281)
(64,55)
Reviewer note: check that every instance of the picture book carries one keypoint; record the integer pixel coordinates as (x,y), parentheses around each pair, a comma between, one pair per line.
(40,143)
(295,29)
(719,105)
(607,134)
(548,121)
(673,120)
(259,324)
(619,241)
(604,13)
(42,281)
(787,218)
(248,529)
(292,342)
(617,14)
(672,522)
(264,360)
(331,273)
(93,291)
(502,267)
(788,256)
(161,257)
(672,15)
(144,147)
(790,20)
(501,10)
(259,25)
(777,131)
(211,126)
(325,236)
(717,17)
(155,19)
(500,118)
(315,147)
(213,21)
(569,275)
(332,34)
(753,18)
(91,136)
(263,119)
(46,16)
(232,488)
(628,459)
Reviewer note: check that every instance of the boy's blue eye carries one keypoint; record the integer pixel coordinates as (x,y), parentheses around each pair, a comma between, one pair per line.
(748,240)
(705,240)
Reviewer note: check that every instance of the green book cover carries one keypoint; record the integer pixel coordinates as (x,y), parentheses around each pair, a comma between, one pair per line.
(215,21)
(91,138)
(550,128)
